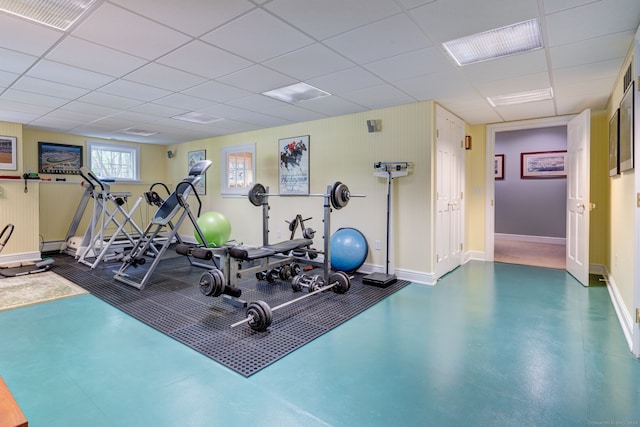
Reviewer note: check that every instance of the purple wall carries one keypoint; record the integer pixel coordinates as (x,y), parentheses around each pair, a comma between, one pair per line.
(530,207)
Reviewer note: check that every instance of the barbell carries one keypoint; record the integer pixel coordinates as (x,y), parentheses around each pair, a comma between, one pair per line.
(339,196)
(212,284)
(260,315)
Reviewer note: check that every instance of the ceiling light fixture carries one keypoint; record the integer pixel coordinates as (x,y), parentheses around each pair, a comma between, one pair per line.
(60,14)
(199,118)
(521,97)
(139,132)
(298,92)
(492,44)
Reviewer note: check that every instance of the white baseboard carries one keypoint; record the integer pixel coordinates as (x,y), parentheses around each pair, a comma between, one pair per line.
(54,246)
(19,258)
(533,239)
(474,256)
(626,322)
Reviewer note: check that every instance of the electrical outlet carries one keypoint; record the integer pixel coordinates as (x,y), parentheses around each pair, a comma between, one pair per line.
(377,245)
(637,315)
(278,234)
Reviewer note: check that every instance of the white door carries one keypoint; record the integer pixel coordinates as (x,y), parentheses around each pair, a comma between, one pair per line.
(578,205)
(449,225)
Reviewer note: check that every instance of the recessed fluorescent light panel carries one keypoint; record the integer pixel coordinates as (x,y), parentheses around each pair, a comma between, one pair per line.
(139,132)
(60,14)
(199,118)
(516,38)
(298,92)
(521,97)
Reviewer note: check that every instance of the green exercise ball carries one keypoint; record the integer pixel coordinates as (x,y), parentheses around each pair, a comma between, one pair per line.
(215,227)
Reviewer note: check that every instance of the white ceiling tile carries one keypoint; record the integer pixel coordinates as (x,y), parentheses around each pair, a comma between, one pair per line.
(391,36)
(410,4)
(162,111)
(259,103)
(435,86)
(33,98)
(205,60)
(257,79)
(11,115)
(52,124)
(329,105)
(515,84)
(114,27)
(379,97)
(622,15)
(30,84)
(20,107)
(528,110)
(592,50)
(164,77)
(226,111)
(595,71)
(120,102)
(295,114)
(448,20)
(308,62)
(194,17)
(216,91)
(412,64)
(347,80)
(186,102)
(258,36)
(16,62)
(7,78)
(134,90)
(93,57)
(551,6)
(90,109)
(66,74)
(25,36)
(327,18)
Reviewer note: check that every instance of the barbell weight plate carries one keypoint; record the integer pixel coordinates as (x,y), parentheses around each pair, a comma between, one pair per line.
(260,316)
(285,272)
(342,281)
(308,233)
(212,283)
(295,268)
(340,195)
(257,194)
(261,275)
(272,275)
(219,285)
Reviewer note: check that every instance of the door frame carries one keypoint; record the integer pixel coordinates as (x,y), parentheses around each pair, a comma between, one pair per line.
(492,130)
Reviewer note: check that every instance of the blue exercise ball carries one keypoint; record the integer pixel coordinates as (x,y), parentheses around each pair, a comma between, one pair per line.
(348,249)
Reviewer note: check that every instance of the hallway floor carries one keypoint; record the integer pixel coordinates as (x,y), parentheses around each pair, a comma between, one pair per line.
(536,254)
(489,345)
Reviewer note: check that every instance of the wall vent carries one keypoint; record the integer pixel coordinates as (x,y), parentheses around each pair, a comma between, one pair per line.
(627,79)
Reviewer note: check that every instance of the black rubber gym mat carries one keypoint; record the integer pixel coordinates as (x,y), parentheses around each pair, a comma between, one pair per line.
(172,304)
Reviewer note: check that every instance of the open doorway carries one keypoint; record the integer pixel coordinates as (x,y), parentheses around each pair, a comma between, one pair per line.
(521,228)
(530,207)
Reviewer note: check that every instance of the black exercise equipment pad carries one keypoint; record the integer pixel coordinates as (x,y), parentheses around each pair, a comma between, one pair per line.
(253,253)
(173,304)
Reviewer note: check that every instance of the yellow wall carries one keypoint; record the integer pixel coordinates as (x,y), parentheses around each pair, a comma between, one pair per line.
(475,164)
(622,256)
(341,149)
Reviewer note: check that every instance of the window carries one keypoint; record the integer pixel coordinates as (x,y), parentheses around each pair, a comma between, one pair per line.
(239,165)
(114,161)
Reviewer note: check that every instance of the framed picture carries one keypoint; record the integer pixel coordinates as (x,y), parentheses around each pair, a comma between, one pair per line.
(59,158)
(543,164)
(194,157)
(293,157)
(8,150)
(498,169)
(626,130)
(614,147)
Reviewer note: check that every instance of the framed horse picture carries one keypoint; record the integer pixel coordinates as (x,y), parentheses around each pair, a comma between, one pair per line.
(293,175)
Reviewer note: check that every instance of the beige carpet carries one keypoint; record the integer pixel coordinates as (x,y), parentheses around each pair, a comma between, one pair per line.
(35,288)
(530,253)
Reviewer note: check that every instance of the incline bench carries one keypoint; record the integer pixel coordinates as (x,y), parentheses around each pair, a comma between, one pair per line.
(10,413)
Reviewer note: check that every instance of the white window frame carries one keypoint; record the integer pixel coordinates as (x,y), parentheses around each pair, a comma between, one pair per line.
(226,151)
(134,149)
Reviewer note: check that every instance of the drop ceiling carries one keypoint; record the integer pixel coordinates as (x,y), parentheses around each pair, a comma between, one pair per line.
(132,65)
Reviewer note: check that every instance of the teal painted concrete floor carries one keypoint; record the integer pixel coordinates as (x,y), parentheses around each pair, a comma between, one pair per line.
(489,345)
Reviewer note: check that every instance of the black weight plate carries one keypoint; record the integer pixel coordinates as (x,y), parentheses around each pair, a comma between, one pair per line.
(257,194)
(343,283)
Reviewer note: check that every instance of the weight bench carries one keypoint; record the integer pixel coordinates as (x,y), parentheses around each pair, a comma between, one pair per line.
(254,253)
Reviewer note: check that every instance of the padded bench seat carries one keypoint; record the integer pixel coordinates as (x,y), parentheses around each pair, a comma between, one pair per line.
(253,253)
